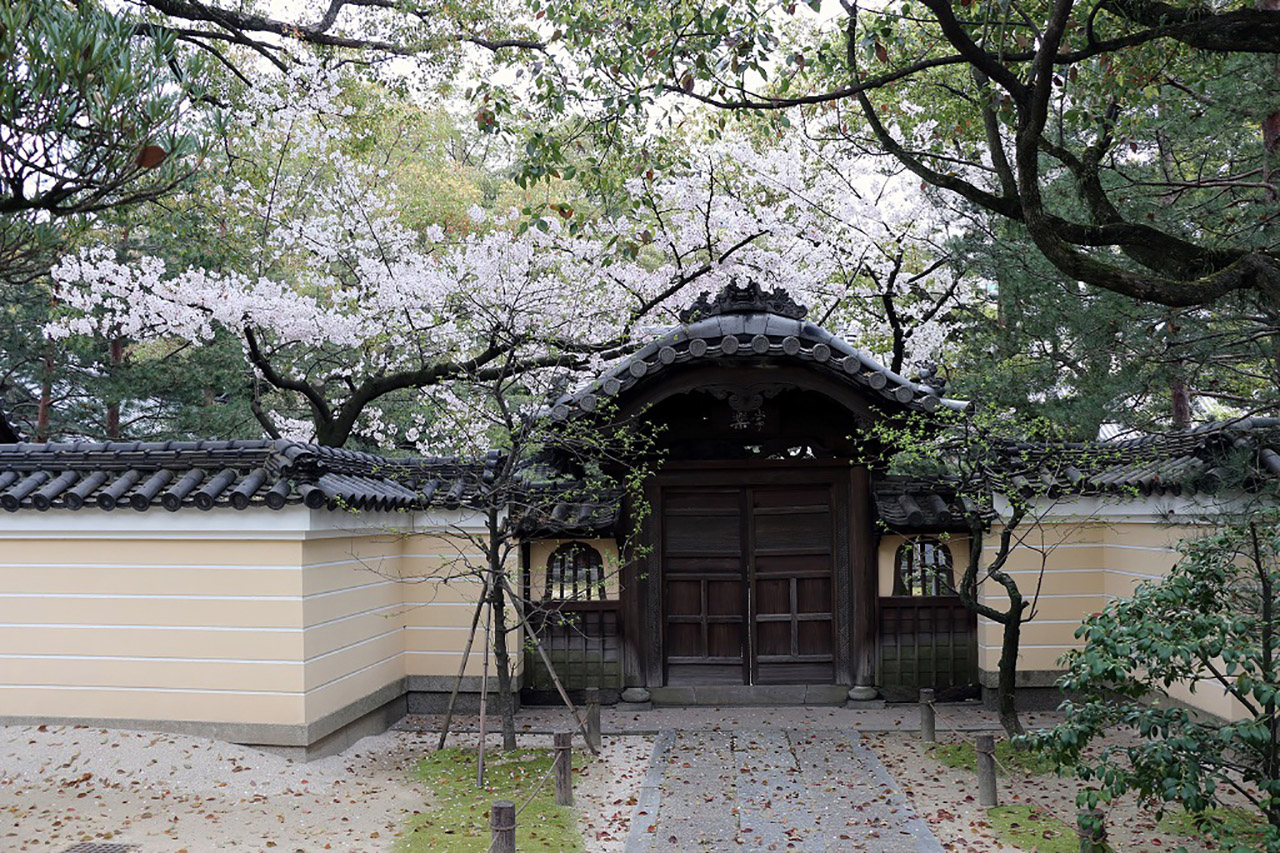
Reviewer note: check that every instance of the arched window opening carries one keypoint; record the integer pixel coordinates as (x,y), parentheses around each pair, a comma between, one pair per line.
(923,567)
(575,572)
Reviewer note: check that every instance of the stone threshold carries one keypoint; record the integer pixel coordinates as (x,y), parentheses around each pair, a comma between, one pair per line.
(751,694)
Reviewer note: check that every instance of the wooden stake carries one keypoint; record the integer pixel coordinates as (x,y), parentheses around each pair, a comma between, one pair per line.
(564,768)
(1093,839)
(593,716)
(928,728)
(986,747)
(457,682)
(502,827)
(484,694)
(555,678)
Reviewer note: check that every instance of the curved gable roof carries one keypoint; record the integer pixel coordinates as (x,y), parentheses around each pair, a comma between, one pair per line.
(743,326)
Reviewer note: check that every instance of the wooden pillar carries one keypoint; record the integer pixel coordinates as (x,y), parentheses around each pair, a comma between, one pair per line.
(650,628)
(865,578)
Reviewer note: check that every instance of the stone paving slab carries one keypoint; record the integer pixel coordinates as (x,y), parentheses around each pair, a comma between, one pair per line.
(776,789)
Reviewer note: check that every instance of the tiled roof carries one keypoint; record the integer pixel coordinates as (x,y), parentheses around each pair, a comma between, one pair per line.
(903,503)
(759,337)
(239,474)
(1245,452)
(593,516)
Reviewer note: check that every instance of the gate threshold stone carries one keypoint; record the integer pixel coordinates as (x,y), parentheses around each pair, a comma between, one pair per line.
(753,694)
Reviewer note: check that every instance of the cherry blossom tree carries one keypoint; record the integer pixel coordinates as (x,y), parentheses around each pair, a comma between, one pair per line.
(348,316)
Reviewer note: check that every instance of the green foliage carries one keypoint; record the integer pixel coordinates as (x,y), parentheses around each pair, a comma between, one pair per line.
(457,817)
(1213,624)
(1174,130)
(91,118)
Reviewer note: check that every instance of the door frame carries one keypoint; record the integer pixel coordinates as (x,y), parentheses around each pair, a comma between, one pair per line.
(853,566)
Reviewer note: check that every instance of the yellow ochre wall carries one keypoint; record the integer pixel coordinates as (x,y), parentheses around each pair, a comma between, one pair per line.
(262,622)
(1085,564)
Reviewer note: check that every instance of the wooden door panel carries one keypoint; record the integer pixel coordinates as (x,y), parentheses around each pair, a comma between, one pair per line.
(790,560)
(677,500)
(703,579)
(748,585)
(793,533)
(793,565)
(684,597)
(724,641)
(814,637)
(774,596)
(813,595)
(724,597)
(703,533)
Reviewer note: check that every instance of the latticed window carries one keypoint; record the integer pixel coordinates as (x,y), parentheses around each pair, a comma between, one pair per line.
(575,572)
(923,567)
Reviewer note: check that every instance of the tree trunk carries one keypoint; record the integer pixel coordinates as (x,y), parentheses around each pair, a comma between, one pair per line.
(1271,755)
(501,657)
(115,358)
(1271,124)
(45,412)
(1181,398)
(1006,690)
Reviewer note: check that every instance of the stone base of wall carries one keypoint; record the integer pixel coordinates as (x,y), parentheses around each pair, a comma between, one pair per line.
(1037,689)
(429,694)
(1029,698)
(375,722)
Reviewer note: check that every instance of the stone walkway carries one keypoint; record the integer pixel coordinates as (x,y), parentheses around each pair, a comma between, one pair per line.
(772,789)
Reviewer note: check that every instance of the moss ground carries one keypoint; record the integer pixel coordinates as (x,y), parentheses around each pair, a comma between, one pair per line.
(1245,827)
(1028,828)
(962,756)
(458,820)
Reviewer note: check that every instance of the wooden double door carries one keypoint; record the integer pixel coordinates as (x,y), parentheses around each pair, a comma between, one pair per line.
(748,584)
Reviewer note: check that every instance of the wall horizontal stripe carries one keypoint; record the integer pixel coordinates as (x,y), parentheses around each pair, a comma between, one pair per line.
(151,658)
(354,645)
(1143,575)
(385,582)
(197,597)
(163,596)
(84,625)
(353,673)
(126,688)
(357,615)
(166,659)
(283,567)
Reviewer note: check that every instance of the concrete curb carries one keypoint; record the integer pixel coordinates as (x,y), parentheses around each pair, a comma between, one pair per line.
(649,800)
(926,841)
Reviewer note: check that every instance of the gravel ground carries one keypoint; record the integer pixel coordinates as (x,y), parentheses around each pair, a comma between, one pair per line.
(947,799)
(60,785)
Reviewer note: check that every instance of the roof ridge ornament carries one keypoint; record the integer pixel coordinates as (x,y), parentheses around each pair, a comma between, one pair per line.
(743,299)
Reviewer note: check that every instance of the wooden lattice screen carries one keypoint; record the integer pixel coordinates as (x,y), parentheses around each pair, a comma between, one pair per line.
(577,624)
(927,637)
